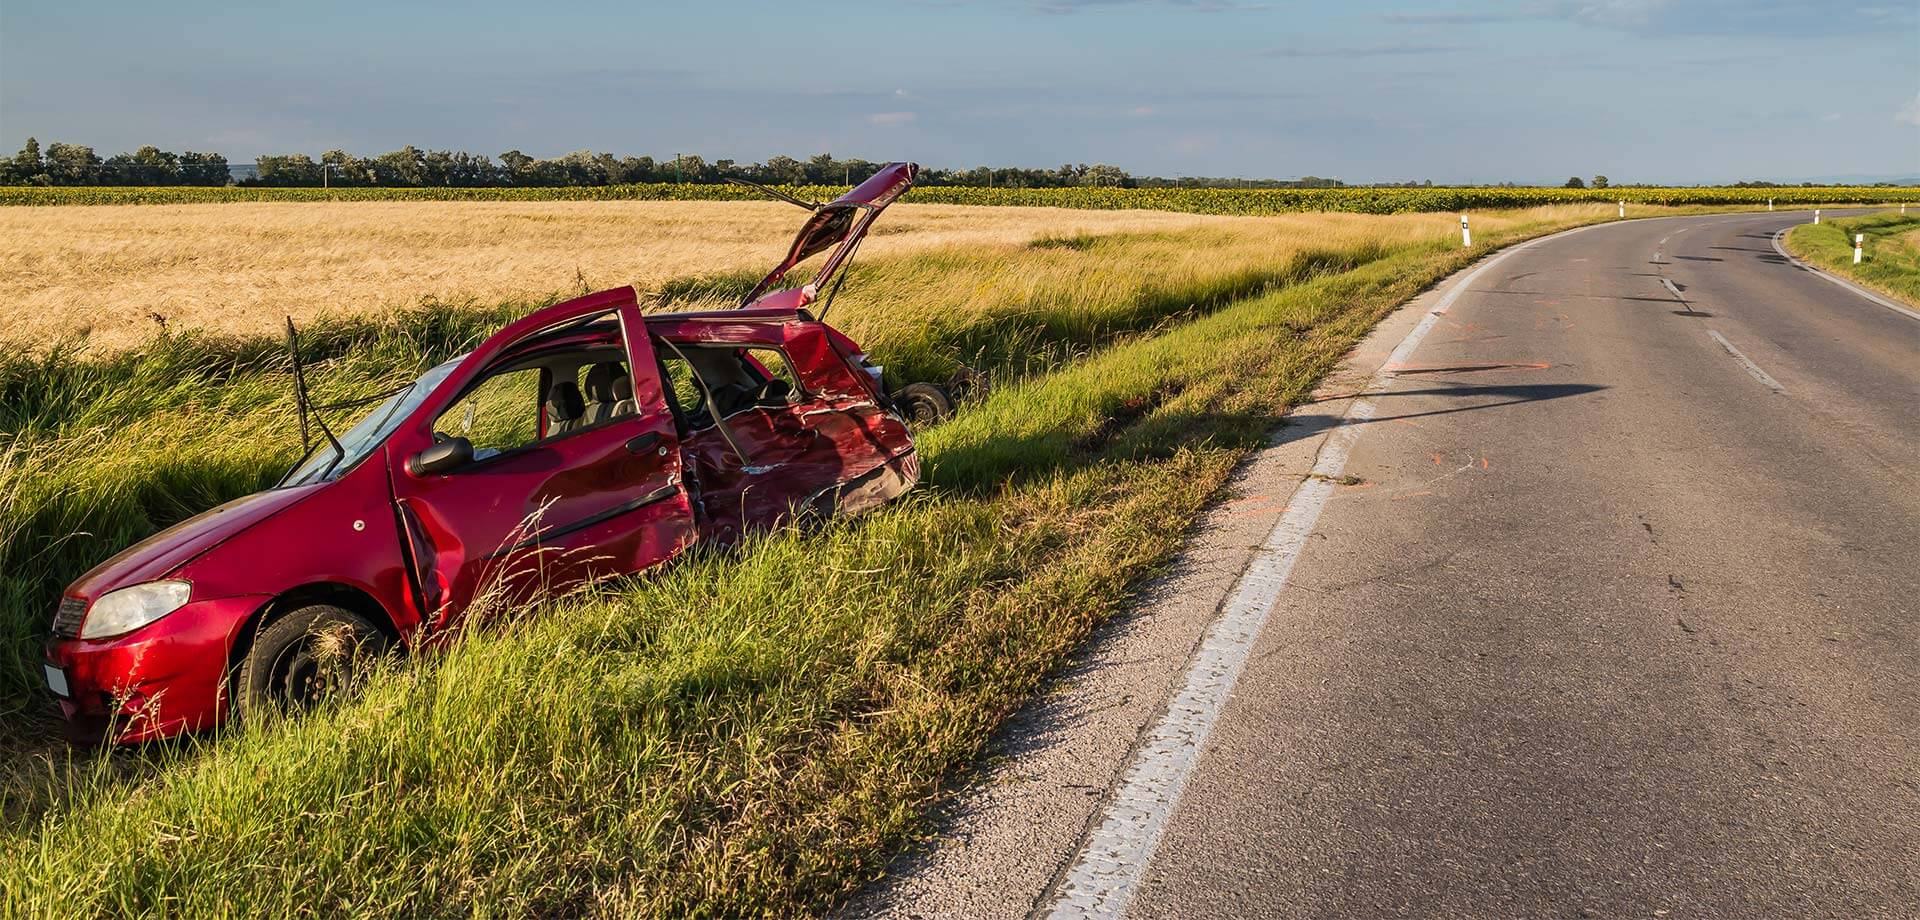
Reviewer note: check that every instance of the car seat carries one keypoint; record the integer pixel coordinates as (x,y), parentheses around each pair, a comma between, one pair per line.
(565,407)
(609,392)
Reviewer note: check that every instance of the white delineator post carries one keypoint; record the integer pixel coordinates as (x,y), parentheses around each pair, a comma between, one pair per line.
(1466,233)
(1859,242)
(1769,204)
(1623,207)
(1816,215)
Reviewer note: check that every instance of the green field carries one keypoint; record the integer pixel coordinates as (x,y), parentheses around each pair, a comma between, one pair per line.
(1890,261)
(1200,201)
(748,733)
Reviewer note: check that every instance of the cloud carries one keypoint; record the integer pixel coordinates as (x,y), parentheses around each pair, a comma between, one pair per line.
(892,119)
(1457,18)
(1910,113)
(1362,51)
(1195,6)
(1787,18)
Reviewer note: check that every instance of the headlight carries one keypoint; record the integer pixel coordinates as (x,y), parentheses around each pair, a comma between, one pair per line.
(128,609)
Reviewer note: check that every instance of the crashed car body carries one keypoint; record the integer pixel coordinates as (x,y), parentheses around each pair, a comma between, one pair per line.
(585,440)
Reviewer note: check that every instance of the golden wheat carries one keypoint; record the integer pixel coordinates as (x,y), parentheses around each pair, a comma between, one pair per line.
(240,267)
(118,272)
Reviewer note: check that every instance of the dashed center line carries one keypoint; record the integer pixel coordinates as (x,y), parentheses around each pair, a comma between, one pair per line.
(1747,363)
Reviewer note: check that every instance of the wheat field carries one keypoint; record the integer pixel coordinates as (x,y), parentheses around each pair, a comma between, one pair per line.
(118,273)
(240,267)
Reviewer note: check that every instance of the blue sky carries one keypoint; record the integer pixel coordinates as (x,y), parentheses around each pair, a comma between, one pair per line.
(1534,90)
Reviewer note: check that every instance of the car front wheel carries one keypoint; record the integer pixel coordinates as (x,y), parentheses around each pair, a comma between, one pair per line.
(305,656)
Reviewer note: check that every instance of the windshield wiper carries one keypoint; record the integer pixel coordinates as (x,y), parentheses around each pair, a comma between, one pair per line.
(304,403)
(308,408)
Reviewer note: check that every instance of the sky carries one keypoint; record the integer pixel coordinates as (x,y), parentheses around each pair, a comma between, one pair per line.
(1661,91)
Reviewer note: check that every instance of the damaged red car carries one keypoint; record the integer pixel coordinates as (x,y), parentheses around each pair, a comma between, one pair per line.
(583,441)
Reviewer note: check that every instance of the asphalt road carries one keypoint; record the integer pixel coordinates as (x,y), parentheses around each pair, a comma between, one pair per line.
(1622,619)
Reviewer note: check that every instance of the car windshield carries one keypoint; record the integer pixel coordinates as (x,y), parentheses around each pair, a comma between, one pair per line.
(323,462)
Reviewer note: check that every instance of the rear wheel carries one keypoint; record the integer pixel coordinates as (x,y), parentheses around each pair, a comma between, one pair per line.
(305,656)
(923,403)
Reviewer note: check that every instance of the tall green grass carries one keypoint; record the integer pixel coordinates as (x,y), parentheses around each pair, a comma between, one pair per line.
(751,734)
(1890,261)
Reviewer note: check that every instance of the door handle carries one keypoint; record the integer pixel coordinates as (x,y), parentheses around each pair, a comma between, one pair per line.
(644,443)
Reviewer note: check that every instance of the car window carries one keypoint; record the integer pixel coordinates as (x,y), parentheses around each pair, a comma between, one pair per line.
(776,366)
(499,415)
(740,378)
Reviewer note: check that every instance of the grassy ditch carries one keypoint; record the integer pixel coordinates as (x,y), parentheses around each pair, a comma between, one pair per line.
(1890,261)
(751,734)
(99,450)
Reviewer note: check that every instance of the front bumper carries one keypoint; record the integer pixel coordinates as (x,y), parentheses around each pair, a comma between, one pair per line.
(163,679)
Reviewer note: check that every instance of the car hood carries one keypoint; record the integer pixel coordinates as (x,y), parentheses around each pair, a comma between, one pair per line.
(159,555)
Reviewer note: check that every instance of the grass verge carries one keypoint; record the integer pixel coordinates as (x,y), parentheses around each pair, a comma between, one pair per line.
(1890,260)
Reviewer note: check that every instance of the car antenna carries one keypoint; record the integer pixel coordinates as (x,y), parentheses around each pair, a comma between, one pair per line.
(776,193)
(303,401)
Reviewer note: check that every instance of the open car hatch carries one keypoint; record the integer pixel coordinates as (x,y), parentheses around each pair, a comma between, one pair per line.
(838,225)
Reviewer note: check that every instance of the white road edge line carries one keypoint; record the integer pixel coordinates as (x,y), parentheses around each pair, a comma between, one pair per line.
(1747,363)
(1108,868)
(1857,289)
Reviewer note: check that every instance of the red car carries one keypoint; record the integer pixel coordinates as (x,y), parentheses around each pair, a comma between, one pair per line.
(583,441)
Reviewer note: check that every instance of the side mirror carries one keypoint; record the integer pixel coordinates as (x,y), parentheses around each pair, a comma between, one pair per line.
(446,456)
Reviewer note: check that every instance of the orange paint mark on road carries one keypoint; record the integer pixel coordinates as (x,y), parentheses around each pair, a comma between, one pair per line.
(1436,459)
(1483,463)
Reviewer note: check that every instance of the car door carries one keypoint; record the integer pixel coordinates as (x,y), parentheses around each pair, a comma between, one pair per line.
(573,502)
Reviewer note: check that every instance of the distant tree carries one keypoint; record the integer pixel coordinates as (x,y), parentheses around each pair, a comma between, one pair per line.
(291,170)
(27,167)
(784,170)
(72,164)
(515,161)
(405,167)
(1575,182)
(147,166)
(1599,181)
(1104,175)
(204,169)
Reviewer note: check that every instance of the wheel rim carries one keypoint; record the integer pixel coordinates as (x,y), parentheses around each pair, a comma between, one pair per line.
(302,676)
(922,410)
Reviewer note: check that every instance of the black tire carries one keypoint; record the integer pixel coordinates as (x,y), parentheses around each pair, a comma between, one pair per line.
(923,403)
(305,656)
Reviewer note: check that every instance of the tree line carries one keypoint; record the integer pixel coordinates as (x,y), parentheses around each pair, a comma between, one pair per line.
(78,164)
